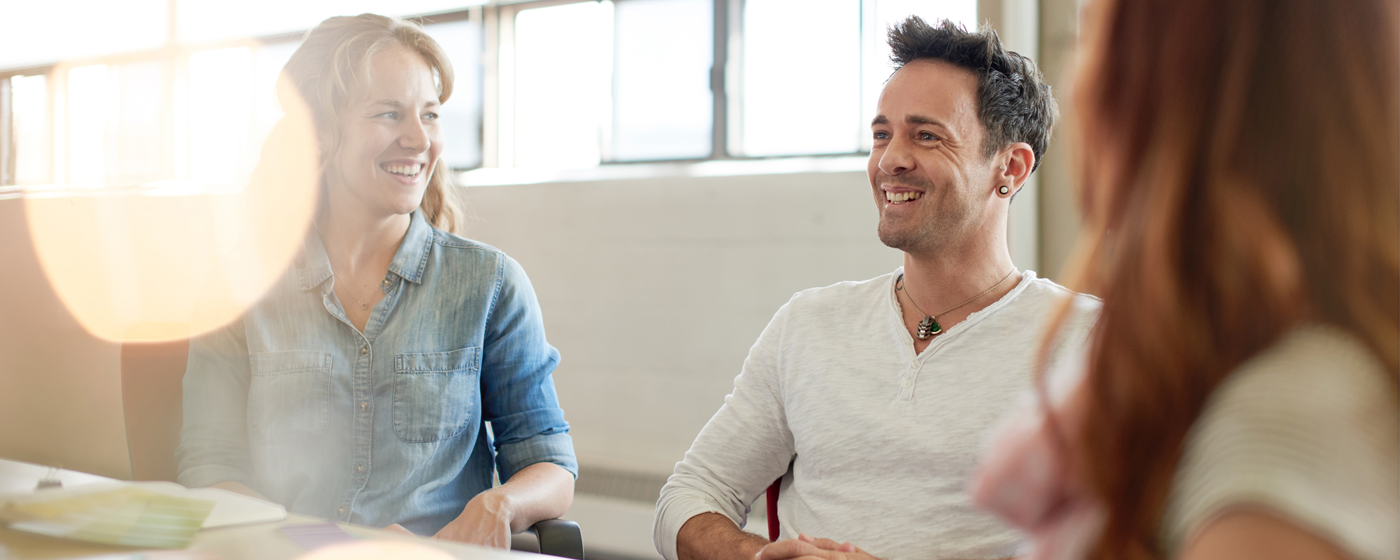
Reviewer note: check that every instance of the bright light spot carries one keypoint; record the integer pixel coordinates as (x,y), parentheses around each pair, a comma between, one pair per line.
(798,93)
(33,33)
(33,165)
(88,101)
(131,267)
(563,71)
(220,104)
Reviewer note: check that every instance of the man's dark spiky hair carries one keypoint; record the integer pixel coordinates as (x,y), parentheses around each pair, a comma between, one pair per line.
(1013,100)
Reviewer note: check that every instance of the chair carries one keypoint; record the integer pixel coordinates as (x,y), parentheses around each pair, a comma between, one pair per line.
(152,404)
(773,527)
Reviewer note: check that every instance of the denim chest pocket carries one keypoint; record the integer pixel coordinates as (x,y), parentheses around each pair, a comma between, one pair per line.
(435,393)
(289,396)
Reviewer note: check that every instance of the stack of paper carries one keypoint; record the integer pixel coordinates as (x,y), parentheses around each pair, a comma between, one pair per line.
(125,516)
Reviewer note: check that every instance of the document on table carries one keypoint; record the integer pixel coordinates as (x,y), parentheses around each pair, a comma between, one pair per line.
(123,515)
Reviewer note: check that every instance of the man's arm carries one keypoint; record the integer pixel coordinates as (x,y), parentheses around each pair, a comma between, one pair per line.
(711,536)
(733,460)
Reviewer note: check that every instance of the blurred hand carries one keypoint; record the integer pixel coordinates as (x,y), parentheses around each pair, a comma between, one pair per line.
(485,521)
(396,528)
(811,548)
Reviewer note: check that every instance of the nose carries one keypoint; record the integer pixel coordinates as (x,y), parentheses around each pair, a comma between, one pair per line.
(414,136)
(896,159)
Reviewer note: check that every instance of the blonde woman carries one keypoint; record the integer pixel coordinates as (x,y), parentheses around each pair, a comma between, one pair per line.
(360,388)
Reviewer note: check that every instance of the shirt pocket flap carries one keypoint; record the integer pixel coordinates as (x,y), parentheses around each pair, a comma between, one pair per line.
(439,362)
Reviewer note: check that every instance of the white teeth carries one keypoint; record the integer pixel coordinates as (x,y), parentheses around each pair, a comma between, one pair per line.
(408,170)
(897,198)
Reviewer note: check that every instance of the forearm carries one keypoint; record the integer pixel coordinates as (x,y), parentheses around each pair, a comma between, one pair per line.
(538,492)
(711,536)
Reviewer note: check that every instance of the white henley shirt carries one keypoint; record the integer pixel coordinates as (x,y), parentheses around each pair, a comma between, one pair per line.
(882,441)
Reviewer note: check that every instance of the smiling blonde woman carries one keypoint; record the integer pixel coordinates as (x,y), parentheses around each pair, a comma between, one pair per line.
(361,387)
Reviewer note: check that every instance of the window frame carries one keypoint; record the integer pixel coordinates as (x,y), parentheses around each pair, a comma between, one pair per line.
(497,20)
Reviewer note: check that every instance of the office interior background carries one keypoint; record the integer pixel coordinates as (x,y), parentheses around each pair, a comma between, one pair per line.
(668,172)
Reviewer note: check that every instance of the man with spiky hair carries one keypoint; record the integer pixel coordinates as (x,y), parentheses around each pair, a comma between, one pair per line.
(869,400)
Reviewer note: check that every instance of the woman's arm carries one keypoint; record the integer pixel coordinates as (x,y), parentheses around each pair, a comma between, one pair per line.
(1249,534)
(538,492)
(534,454)
(213,447)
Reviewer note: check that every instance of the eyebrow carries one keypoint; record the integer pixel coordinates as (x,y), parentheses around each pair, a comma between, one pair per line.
(912,119)
(395,104)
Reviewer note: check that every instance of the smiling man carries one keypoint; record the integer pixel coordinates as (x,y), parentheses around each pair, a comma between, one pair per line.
(870,399)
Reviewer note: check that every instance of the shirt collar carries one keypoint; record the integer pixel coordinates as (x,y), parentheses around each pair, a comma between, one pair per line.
(412,255)
(315,267)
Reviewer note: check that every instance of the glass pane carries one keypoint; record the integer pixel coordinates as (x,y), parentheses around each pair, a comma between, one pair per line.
(461,115)
(32,163)
(204,20)
(662,104)
(57,30)
(876,67)
(139,147)
(220,114)
(801,78)
(88,100)
(563,66)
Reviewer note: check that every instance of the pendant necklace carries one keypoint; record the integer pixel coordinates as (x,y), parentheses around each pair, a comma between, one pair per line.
(929,326)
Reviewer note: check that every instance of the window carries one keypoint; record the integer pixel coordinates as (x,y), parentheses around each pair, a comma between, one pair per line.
(540,84)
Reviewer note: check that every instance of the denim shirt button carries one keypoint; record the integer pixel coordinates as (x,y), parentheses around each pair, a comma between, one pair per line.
(359,468)
(364,405)
(340,510)
(364,350)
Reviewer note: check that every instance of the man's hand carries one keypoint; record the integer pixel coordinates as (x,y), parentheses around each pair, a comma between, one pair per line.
(485,521)
(809,548)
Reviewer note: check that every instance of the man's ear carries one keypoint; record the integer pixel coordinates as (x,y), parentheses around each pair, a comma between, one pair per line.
(1017,162)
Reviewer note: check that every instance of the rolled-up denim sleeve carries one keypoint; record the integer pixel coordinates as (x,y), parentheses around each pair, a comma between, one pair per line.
(214,438)
(517,380)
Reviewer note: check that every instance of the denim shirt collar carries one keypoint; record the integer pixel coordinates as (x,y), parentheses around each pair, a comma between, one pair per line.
(408,263)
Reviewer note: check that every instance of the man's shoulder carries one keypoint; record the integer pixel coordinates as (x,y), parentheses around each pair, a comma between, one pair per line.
(1047,293)
(842,296)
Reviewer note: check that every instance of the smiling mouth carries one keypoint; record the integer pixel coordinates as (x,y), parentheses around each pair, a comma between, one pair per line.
(902,197)
(404,170)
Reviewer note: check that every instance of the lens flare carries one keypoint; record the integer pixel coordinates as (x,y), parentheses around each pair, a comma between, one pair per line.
(173,259)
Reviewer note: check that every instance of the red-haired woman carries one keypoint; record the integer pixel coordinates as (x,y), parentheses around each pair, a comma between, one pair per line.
(1241,168)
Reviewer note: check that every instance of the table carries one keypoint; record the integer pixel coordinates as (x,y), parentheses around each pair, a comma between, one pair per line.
(256,541)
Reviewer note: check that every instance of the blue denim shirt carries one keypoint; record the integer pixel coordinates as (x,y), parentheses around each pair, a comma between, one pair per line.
(389,425)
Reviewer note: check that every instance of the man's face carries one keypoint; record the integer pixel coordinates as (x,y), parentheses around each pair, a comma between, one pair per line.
(930,180)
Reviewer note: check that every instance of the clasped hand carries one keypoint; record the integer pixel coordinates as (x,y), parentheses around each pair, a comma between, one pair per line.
(485,521)
(809,548)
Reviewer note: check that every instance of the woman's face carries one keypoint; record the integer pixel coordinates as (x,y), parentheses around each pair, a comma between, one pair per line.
(390,138)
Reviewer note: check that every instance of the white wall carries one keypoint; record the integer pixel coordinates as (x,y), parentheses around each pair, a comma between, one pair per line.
(654,289)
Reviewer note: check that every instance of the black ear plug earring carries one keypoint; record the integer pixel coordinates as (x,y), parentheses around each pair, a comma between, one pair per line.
(1003,189)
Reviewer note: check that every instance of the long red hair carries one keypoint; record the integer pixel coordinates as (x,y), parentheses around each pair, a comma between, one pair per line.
(1239,163)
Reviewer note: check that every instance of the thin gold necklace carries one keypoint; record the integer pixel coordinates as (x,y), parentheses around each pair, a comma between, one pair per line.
(929,326)
(364,306)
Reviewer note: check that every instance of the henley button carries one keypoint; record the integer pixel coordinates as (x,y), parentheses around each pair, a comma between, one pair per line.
(364,405)
(341,510)
(359,468)
(364,350)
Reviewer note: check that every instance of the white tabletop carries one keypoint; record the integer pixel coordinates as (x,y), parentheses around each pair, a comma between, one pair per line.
(257,541)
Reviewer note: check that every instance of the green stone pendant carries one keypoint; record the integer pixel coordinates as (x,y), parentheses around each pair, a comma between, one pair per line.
(929,327)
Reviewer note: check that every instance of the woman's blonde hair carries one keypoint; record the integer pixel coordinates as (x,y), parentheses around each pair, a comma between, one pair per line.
(333,62)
